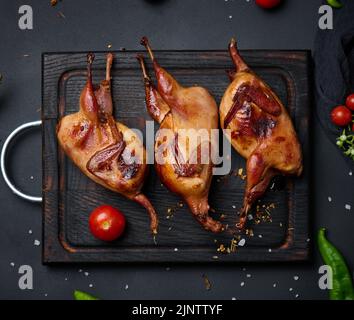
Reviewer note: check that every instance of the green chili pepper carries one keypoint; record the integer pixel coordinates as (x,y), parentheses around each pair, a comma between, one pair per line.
(335,4)
(79,295)
(342,282)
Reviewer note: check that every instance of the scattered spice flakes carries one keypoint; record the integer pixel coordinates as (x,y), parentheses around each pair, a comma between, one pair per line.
(263,213)
(234,243)
(172,210)
(240,174)
(249,232)
(53,2)
(207,282)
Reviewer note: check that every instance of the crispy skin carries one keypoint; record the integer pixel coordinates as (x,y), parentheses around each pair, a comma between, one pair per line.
(261,130)
(102,148)
(175,107)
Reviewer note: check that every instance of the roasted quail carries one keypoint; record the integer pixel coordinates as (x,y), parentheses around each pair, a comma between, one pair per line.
(106,151)
(176,108)
(260,130)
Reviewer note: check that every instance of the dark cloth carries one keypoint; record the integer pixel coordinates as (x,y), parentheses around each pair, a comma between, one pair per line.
(334,67)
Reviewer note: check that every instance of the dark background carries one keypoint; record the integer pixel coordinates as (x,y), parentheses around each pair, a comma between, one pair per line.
(170,24)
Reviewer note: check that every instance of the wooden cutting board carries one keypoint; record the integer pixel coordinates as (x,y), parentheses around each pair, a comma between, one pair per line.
(69,196)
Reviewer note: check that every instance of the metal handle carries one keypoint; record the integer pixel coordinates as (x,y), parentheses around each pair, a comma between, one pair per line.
(7,142)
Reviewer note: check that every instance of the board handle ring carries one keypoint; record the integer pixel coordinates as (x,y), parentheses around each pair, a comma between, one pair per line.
(4,149)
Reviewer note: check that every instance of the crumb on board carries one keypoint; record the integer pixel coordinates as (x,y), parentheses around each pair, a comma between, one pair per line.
(207,282)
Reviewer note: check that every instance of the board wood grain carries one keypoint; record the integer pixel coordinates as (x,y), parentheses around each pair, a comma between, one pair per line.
(69,196)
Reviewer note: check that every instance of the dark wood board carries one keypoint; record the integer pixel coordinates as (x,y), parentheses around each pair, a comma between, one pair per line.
(69,196)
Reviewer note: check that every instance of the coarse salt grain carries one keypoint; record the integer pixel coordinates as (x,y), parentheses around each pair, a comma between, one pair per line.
(30,231)
(12,264)
(126,287)
(242,242)
(348,206)
(296,278)
(350,173)
(248,275)
(329,199)
(233,298)
(86,274)
(269,250)
(90,285)
(230,17)
(36,242)
(290,289)
(274,285)
(233,207)
(175,249)
(260,236)
(242,284)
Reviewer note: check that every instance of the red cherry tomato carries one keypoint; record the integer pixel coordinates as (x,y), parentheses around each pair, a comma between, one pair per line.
(350,102)
(268,4)
(341,116)
(106,223)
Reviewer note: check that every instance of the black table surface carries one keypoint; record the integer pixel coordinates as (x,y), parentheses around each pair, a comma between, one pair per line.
(84,25)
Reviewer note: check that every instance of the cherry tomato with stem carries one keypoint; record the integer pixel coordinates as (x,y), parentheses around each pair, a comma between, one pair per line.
(341,116)
(349,102)
(107,223)
(268,4)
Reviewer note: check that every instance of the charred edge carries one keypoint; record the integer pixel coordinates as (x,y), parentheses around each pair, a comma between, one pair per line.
(144,41)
